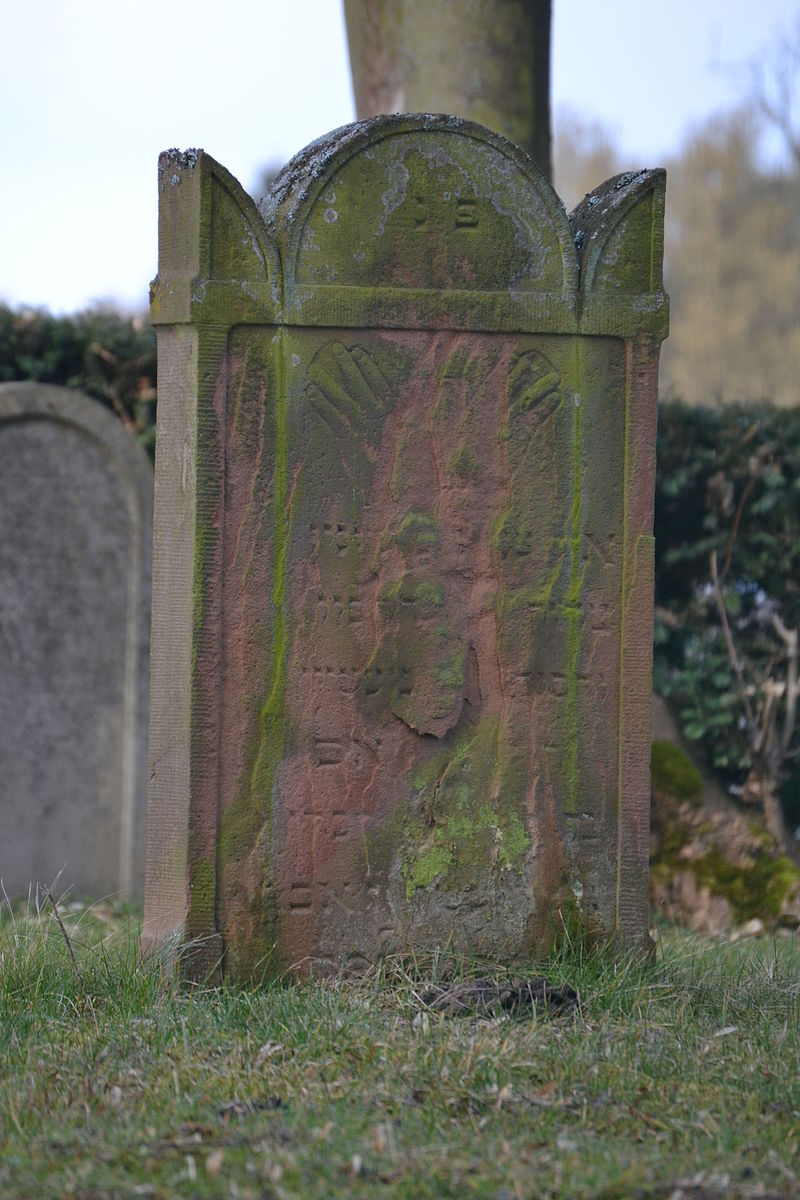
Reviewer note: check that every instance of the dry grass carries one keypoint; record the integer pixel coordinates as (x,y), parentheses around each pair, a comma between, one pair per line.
(681,1078)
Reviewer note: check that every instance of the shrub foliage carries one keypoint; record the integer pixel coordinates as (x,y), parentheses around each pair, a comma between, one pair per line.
(728,485)
(107,355)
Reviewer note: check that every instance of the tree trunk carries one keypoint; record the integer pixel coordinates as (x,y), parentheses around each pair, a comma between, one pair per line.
(488,60)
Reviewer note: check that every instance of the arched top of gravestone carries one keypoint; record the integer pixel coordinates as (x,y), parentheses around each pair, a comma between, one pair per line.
(619,234)
(420,202)
(31,401)
(209,233)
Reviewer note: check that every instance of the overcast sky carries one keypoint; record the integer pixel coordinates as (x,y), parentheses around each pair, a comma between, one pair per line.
(91,91)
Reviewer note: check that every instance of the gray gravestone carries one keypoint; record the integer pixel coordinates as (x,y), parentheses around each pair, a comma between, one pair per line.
(75,560)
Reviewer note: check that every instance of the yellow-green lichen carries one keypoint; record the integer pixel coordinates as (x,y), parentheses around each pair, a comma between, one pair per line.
(752,891)
(429,596)
(202,896)
(416,531)
(496,529)
(753,888)
(460,365)
(463,463)
(427,868)
(469,800)
(572,609)
(248,821)
(507,602)
(425,595)
(389,593)
(451,673)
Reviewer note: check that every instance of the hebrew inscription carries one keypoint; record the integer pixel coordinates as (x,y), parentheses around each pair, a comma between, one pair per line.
(438,597)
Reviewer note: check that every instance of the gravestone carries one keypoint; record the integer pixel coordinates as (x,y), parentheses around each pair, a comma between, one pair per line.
(403,567)
(76,496)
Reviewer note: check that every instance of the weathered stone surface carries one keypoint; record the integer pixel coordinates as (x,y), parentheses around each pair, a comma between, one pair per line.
(76,496)
(403,575)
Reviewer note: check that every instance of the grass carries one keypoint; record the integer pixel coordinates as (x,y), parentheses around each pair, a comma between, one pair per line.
(676,1079)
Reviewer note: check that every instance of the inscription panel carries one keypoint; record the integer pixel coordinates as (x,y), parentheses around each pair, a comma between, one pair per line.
(442,525)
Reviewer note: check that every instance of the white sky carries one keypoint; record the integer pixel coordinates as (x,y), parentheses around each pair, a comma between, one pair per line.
(92,90)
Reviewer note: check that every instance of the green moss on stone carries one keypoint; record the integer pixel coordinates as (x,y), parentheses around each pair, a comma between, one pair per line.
(426,595)
(752,891)
(496,529)
(202,897)
(509,601)
(429,596)
(389,594)
(460,365)
(572,610)
(757,889)
(470,795)
(416,531)
(248,821)
(451,673)
(427,868)
(514,840)
(674,836)
(673,773)
(464,464)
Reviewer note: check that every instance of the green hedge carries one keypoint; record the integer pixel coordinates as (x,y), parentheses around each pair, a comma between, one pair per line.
(101,352)
(728,481)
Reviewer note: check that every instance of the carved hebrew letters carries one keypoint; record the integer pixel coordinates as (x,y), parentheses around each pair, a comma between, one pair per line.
(422,497)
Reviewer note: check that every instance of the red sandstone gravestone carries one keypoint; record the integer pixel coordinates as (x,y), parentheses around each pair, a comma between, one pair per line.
(403,572)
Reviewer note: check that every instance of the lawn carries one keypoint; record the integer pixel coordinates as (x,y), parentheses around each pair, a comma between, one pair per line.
(677,1079)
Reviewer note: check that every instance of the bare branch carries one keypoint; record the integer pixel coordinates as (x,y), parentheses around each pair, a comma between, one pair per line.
(736,665)
(736,520)
(774,91)
(792,690)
